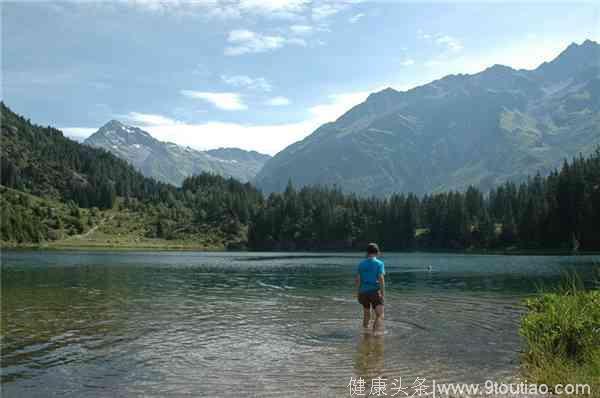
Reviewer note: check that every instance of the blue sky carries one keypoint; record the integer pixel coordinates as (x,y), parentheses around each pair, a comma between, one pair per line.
(256,74)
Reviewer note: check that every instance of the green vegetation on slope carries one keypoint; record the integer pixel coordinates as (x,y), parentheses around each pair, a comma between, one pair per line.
(560,211)
(562,333)
(207,211)
(28,218)
(548,213)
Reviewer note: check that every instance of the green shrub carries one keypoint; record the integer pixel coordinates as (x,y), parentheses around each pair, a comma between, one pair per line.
(562,333)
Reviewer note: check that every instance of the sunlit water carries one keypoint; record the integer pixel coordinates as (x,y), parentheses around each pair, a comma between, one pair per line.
(251,324)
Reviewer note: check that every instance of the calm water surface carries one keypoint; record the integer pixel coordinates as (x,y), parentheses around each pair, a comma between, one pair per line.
(256,324)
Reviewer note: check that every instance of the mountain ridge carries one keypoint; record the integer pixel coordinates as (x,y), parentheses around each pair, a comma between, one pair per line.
(170,162)
(479,129)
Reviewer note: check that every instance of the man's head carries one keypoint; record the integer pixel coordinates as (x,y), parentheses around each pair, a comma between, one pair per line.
(372,249)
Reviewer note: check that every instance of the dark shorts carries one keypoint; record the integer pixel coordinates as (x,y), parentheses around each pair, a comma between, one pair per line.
(370,299)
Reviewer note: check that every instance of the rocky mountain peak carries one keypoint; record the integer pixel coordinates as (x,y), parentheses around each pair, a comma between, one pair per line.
(169,162)
(467,129)
(575,59)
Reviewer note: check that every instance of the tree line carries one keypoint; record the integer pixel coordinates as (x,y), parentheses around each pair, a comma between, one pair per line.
(40,161)
(560,211)
(557,211)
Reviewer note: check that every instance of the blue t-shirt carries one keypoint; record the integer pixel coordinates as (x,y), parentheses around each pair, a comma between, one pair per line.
(369,271)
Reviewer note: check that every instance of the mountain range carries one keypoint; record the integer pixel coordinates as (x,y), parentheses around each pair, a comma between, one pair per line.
(172,163)
(480,129)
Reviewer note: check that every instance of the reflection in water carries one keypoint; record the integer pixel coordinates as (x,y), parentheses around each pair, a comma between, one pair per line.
(217,324)
(369,359)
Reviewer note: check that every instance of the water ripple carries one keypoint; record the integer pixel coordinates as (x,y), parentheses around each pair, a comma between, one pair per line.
(217,325)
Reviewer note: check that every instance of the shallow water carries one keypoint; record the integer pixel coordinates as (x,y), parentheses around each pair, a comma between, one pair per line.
(257,324)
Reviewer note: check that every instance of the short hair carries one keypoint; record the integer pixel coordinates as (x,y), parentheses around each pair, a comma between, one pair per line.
(372,248)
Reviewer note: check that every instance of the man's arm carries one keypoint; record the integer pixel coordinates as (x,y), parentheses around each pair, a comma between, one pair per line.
(357,282)
(381,279)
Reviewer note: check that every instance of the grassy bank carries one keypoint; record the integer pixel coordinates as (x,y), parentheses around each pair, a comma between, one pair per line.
(562,333)
(45,223)
(110,244)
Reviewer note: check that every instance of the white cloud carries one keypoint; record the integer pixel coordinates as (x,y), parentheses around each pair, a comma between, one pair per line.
(423,35)
(257,83)
(338,105)
(218,9)
(202,71)
(266,138)
(151,5)
(274,8)
(243,41)
(224,9)
(246,41)
(78,133)
(451,47)
(301,29)
(326,10)
(433,63)
(147,119)
(278,101)
(297,41)
(297,10)
(355,18)
(225,101)
(270,138)
(452,43)
(407,62)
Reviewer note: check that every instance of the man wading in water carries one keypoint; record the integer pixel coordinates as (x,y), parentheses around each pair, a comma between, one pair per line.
(370,285)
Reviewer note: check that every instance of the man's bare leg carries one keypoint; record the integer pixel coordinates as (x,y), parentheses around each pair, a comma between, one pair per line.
(366,316)
(378,324)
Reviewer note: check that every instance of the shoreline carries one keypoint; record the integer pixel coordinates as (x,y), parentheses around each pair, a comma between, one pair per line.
(222,249)
(76,248)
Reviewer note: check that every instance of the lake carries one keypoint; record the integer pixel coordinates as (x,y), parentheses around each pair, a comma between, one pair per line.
(258,324)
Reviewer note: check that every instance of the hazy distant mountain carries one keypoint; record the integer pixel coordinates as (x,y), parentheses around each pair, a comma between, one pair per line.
(479,129)
(170,162)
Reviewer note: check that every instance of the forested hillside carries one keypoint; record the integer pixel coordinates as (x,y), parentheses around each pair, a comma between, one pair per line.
(40,161)
(55,188)
(561,211)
